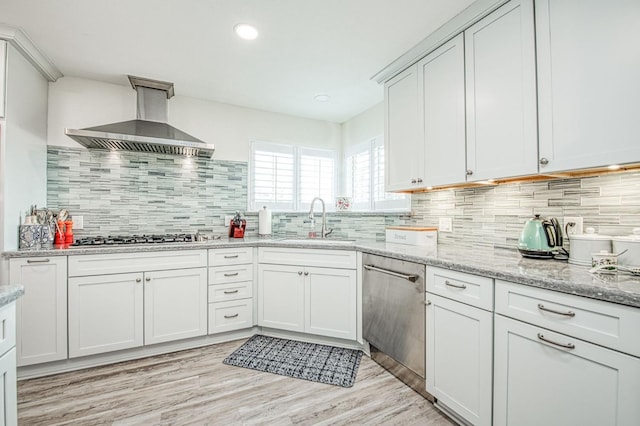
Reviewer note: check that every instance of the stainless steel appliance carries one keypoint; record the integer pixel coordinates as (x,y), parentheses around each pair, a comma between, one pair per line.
(137,239)
(150,132)
(393,317)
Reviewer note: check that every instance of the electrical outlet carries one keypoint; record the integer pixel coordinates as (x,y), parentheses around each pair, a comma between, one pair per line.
(78,222)
(573,225)
(227,220)
(445,224)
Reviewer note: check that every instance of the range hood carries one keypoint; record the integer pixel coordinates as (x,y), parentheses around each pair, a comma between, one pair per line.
(149,132)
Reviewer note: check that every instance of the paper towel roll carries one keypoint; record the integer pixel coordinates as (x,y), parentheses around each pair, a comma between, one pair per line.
(264,222)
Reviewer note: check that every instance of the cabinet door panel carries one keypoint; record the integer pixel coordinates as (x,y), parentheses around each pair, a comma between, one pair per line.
(403,145)
(41,314)
(501,93)
(281,297)
(330,302)
(588,85)
(459,358)
(175,305)
(105,313)
(8,389)
(539,383)
(441,80)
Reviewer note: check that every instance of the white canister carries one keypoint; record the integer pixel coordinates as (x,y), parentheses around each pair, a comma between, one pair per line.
(583,245)
(264,222)
(631,243)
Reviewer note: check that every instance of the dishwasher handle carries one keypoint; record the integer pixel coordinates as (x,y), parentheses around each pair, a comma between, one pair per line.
(411,278)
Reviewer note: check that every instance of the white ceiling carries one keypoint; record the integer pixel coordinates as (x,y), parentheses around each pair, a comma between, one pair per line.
(305,47)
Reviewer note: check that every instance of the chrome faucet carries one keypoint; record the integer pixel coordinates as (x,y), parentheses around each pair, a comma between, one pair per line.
(323,232)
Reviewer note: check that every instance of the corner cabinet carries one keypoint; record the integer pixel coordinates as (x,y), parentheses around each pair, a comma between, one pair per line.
(308,290)
(588,85)
(122,301)
(500,70)
(41,313)
(404,149)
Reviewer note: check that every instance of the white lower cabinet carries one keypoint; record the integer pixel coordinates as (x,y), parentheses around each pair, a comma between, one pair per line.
(175,305)
(459,352)
(41,314)
(105,313)
(547,378)
(8,384)
(309,299)
(152,301)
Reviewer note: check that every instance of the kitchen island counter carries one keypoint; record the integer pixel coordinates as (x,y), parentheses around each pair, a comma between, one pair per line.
(503,264)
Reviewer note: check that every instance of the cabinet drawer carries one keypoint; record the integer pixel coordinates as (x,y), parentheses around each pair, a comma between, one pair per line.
(230,274)
(7,327)
(344,259)
(230,256)
(607,324)
(233,315)
(101,264)
(230,291)
(466,288)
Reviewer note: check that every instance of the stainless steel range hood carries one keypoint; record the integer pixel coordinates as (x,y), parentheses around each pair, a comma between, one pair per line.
(150,132)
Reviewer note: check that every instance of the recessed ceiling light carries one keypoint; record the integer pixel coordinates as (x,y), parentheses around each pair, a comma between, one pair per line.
(322,97)
(246,31)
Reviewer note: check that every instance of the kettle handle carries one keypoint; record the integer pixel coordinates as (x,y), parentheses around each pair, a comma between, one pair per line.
(550,233)
(558,231)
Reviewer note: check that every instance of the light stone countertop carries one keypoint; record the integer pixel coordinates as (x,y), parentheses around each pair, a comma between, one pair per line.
(10,293)
(508,265)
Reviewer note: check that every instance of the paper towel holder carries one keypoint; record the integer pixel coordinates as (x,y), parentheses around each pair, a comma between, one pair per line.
(264,222)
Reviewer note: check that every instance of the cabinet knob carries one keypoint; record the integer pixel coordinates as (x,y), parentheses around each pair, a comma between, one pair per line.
(544,161)
(413,181)
(419,180)
(148,279)
(306,273)
(469,172)
(299,272)
(138,280)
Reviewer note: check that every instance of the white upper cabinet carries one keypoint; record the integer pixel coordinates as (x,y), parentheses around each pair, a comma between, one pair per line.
(588,82)
(442,114)
(403,145)
(501,94)
(3,74)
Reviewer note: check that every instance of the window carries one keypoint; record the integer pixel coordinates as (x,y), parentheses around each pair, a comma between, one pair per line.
(364,179)
(288,177)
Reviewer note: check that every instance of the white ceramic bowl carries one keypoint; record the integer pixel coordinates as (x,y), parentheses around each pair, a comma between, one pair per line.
(582,246)
(630,243)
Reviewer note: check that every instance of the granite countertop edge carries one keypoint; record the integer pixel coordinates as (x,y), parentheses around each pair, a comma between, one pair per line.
(10,293)
(498,264)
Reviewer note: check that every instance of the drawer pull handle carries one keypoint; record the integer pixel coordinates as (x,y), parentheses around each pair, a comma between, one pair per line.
(39,261)
(562,345)
(231,316)
(235,256)
(567,314)
(461,286)
(230,292)
(231,275)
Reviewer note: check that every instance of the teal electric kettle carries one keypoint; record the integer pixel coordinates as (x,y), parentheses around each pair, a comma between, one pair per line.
(540,238)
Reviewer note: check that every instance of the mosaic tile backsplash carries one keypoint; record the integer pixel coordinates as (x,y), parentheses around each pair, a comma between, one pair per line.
(493,216)
(137,193)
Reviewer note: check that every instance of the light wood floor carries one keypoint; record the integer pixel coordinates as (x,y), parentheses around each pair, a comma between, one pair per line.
(195,387)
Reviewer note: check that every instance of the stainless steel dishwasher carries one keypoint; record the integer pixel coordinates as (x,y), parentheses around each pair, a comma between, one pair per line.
(393,317)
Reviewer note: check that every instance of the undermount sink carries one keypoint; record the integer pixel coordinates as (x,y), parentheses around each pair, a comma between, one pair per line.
(318,241)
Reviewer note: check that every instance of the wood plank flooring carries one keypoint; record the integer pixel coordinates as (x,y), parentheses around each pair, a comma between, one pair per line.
(194,387)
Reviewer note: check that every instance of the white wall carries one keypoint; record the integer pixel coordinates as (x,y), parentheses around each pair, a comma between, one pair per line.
(364,126)
(24,146)
(79,103)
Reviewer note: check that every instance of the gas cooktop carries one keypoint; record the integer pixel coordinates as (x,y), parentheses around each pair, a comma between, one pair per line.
(135,239)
